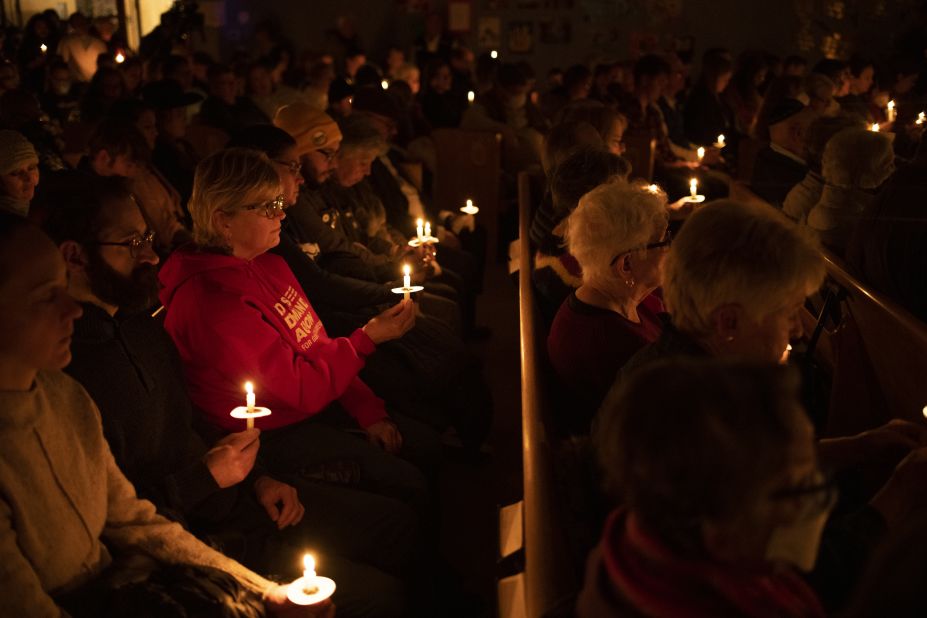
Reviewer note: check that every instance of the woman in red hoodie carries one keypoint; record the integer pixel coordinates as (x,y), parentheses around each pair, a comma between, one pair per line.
(237,314)
(722,496)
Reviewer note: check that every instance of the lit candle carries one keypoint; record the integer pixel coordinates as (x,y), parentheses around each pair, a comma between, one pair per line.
(471,96)
(384,84)
(924,411)
(653,189)
(693,188)
(874,127)
(891,111)
(406,281)
(493,54)
(427,229)
(310,589)
(701,153)
(120,58)
(469,209)
(420,229)
(249,397)
(43,48)
(720,143)
(921,118)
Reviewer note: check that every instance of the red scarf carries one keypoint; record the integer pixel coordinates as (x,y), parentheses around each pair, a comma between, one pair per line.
(657,583)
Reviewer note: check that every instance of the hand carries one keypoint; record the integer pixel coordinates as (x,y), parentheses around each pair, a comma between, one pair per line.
(385,434)
(392,323)
(271,492)
(231,458)
(906,490)
(895,435)
(277,605)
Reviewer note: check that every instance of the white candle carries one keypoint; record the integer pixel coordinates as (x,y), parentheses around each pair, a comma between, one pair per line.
(653,189)
(43,48)
(891,111)
(427,229)
(471,96)
(420,229)
(693,187)
(469,209)
(874,127)
(493,54)
(406,281)
(721,141)
(384,84)
(701,153)
(310,589)
(921,118)
(249,397)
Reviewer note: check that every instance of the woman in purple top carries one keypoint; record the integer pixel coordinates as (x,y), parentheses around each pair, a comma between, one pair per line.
(619,236)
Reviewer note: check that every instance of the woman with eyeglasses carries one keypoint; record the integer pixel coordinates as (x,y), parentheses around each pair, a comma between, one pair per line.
(618,235)
(722,497)
(237,314)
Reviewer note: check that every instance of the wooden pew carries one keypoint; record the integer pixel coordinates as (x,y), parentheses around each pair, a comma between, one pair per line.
(880,358)
(469,166)
(548,578)
(641,152)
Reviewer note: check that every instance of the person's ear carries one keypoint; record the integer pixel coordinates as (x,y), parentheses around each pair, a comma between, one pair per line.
(726,321)
(75,258)
(221,222)
(622,268)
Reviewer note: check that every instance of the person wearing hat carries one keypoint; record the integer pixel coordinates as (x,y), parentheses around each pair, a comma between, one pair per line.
(19,172)
(782,163)
(173,155)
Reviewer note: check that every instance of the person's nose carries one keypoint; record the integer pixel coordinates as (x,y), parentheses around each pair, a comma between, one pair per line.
(147,255)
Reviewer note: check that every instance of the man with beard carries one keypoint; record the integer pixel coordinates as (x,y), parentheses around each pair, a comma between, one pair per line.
(128,364)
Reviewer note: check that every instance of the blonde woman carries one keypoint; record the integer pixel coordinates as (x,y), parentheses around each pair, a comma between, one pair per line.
(619,236)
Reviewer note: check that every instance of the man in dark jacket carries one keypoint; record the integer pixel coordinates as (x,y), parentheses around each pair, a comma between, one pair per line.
(781,164)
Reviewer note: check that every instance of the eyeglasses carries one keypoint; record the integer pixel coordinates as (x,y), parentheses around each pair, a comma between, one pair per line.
(293,166)
(270,209)
(134,244)
(666,242)
(328,154)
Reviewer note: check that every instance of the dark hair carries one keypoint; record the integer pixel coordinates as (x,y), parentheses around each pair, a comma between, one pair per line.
(509,75)
(568,136)
(599,115)
(368,75)
(218,70)
(749,65)
(72,203)
(580,173)
(127,112)
(685,440)
(575,76)
(118,139)
(830,67)
(11,225)
(651,65)
(267,138)
(359,132)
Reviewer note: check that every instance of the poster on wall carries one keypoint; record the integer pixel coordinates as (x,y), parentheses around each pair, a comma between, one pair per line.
(489,32)
(459,16)
(555,31)
(520,37)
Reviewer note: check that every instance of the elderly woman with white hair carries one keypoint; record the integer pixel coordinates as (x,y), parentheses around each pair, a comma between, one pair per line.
(856,162)
(619,236)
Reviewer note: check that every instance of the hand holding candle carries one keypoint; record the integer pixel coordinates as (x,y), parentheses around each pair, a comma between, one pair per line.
(921,118)
(693,197)
(874,127)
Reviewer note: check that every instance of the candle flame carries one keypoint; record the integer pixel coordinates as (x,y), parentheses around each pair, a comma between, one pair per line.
(700,152)
(653,189)
(693,183)
(471,96)
(925,411)
(419,222)
(120,58)
(384,84)
(406,270)
(874,127)
(43,47)
(249,388)
(469,203)
(721,138)
(891,105)
(493,54)
(309,563)
(921,118)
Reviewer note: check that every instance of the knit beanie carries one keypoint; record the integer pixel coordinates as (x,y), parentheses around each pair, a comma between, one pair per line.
(15,151)
(311,128)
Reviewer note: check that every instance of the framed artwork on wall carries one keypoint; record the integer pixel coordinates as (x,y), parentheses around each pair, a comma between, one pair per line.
(520,37)
(489,32)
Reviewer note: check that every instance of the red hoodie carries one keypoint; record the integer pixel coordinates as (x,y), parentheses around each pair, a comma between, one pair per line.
(235,321)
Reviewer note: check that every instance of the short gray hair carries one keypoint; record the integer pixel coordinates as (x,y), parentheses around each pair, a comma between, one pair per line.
(612,219)
(738,253)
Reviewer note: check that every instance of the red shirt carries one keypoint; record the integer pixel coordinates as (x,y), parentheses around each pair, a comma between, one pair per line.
(587,345)
(235,321)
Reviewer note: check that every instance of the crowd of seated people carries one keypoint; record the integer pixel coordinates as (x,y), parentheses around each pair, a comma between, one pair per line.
(174,226)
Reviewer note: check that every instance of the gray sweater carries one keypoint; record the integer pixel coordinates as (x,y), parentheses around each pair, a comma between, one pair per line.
(63,501)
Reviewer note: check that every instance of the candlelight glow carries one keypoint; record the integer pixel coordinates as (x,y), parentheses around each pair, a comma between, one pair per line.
(701,153)
(384,84)
(249,388)
(921,118)
(406,270)
(653,189)
(120,58)
(43,48)
(308,566)
(693,187)
(874,127)
(493,54)
(471,96)
(721,140)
